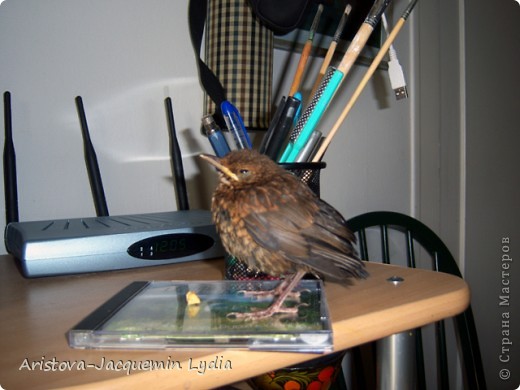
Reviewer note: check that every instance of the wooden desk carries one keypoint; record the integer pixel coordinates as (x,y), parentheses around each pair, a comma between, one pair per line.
(37,313)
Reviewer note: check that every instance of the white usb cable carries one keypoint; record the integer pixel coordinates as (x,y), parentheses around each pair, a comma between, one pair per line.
(395,70)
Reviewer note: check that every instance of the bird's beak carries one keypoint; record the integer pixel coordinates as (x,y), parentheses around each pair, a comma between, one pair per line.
(215,161)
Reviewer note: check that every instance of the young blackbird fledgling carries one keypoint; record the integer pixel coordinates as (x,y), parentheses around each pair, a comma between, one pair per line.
(267,218)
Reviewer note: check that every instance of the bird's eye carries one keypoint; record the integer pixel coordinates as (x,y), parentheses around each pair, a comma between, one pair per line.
(244,173)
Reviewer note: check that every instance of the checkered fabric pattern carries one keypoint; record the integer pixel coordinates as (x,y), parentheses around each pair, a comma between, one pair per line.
(239,50)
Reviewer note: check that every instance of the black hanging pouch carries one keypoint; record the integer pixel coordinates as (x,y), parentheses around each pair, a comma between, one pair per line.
(280,16)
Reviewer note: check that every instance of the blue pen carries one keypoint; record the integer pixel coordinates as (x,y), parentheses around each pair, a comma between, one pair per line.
(235,125)
(298,95)
(215,136)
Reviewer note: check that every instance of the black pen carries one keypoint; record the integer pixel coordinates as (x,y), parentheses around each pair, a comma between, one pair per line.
(272,126)
(283,128)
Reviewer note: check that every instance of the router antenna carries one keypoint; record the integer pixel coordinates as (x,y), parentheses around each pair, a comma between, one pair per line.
(10,184)
(94,175)
(178,169)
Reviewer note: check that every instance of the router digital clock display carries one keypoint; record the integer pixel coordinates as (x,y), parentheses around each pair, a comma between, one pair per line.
(170,246)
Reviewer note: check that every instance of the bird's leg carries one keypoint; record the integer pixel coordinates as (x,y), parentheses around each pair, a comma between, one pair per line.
(270,294)
(277,305)
(285,289)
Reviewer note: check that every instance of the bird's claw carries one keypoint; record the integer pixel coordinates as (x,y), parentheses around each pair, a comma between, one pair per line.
(266,313)
(265,295)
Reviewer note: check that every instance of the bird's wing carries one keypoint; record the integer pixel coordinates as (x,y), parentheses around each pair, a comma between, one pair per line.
(332,242)
(313,234)
(279,231)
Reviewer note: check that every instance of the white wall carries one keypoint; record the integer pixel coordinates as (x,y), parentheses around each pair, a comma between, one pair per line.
(492,161)
(466,141)
(437,119)
(124,57)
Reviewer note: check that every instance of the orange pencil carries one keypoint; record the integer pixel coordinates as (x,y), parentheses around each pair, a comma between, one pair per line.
(305,53)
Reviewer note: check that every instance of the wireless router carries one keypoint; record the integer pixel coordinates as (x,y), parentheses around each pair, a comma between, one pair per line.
(69,246)
(105,243)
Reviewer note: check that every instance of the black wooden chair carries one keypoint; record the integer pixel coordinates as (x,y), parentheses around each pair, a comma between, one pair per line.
(415,234)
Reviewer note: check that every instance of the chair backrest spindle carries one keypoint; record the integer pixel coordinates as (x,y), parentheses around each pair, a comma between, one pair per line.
(363,248)
(410,250)
(385,246)
(442,355)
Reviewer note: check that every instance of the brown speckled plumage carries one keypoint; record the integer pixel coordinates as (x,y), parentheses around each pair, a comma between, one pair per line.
(274,223)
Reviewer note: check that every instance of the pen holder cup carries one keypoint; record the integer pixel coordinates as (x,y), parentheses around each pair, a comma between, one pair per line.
(308,173)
